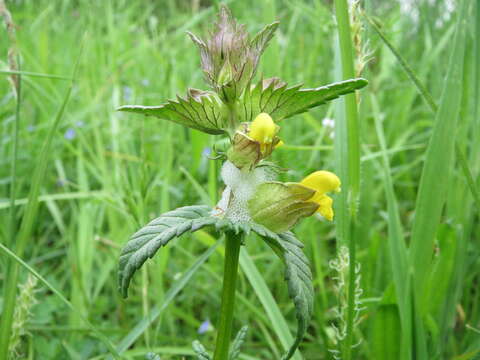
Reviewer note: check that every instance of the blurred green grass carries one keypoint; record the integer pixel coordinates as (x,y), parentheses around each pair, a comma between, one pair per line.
(109,173)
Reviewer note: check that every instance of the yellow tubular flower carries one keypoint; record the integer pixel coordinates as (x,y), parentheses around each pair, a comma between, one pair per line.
(322,182)
(263,129)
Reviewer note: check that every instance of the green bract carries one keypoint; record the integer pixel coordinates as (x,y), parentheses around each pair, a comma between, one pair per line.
(206,112)
(229,60)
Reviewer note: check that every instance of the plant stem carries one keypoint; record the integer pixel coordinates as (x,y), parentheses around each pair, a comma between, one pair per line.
(6,322)
(232,253)
(353,172)
(348,72)
(13,163)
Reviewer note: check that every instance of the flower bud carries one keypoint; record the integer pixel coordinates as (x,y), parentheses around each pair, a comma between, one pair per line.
(263,129)
(229,58)
(253,142)
(244,152)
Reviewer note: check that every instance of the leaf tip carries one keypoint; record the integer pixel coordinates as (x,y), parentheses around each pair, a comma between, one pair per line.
(362,82)
(121,108)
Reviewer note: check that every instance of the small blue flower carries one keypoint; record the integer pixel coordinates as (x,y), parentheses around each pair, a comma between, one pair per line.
(145,82)
(70,134)
(204,327)
(31,128)
(79,123)
(206,152)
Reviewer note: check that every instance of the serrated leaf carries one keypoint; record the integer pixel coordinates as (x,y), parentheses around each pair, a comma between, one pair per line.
(200,110)
(200,351)
(281,102)
(299,280)
(247,66)
(146,242)
(260,41)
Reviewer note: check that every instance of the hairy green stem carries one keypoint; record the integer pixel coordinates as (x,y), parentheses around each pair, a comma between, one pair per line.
(353,140)
(232,253)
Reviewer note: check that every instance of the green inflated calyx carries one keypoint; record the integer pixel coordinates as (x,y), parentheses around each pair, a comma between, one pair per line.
(244,152)
(279,206)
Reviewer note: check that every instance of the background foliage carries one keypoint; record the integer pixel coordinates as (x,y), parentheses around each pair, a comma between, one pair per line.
(110,173)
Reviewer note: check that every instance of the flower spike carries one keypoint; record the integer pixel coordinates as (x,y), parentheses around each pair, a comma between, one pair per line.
(229,59)
(248,112)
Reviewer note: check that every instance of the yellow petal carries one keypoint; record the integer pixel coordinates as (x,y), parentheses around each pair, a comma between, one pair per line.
(325,209)
(322,181)
(263,129)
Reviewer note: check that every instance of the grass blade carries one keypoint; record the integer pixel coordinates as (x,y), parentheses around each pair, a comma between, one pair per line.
(138,330)
(34,74)
(439,160)
(269,304)
(28,220)
(44,281)
(13,164)
(353,160)
(422,89)
(396,244)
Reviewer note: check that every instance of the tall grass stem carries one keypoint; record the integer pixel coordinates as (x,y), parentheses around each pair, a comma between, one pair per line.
(26,228)
(353,172)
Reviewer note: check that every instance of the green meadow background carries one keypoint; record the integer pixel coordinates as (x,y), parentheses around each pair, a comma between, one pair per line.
(108,173)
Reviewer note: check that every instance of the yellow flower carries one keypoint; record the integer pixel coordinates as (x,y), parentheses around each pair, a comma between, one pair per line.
(279,206)
(322,182)
(263,130)
(254,141)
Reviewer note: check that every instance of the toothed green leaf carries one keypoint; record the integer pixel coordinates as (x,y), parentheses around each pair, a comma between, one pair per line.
(273,97)
(299,280)
(260,41)
(200,110)
(146,242)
